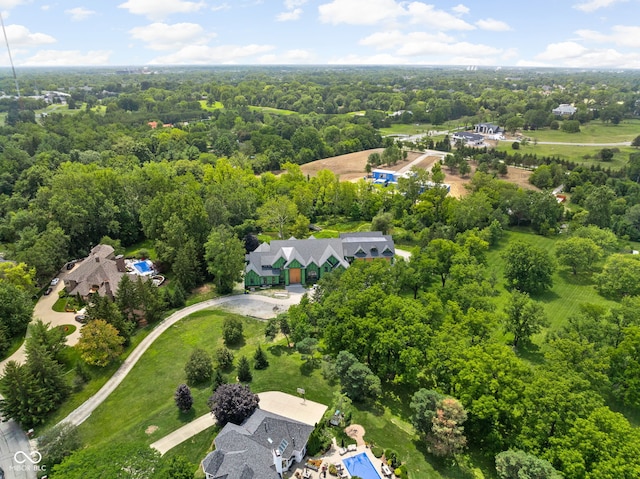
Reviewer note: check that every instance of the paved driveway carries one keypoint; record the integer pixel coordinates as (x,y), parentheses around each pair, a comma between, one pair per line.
(14,441)
(239,303)
(43,310)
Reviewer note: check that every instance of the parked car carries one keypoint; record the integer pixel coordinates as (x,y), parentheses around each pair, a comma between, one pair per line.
(47,293)
(55,281)
(81,318)
(70,265)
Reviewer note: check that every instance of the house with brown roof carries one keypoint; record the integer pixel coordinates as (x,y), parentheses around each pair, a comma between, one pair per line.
(100,272)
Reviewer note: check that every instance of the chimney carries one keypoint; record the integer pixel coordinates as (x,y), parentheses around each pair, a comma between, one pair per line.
(97,259)
(120,264)
(107,289)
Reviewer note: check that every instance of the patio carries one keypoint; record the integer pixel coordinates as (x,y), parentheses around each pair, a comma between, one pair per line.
(335,456)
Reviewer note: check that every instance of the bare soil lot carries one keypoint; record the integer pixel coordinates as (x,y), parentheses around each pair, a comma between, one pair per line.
(350,167)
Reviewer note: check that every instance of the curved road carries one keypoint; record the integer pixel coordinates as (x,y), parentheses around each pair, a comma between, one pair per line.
(79,415)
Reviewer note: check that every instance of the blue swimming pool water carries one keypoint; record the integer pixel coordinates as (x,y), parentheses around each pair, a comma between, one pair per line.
(142,267)
(360,465)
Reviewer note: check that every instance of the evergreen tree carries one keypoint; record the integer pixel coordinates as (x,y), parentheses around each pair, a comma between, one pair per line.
(187,266)
(260,358)
(218,380)
(127,298)
(183,398)
(244,370)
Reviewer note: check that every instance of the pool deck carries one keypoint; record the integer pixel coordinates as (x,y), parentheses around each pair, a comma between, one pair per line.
(333,456)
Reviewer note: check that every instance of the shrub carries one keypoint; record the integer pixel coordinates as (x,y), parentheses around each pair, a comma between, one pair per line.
(332,470)
(392,458)
(183,398)
(199,368)
(515,145)
(401,472)
(377,451)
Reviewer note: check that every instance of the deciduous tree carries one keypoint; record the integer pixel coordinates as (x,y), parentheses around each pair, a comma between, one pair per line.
(199,368)
(523,317)
(224,254)
(233,403)
(99,344)
(528,268)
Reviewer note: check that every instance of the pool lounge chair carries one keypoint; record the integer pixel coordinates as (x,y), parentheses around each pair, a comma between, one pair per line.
(386,471)
(342,451)
(352,447)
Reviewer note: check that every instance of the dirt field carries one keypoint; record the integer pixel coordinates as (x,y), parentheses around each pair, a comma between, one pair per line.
(350,167)
(517,176)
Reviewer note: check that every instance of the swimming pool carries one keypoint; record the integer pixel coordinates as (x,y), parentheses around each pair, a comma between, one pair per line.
(143,268)
(360,465)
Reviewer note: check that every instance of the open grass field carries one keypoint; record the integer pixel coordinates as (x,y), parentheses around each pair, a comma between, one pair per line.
(593,132)
(568,292)
(275,111)
(215,106)
(586,155)
(414,128)
(145,397)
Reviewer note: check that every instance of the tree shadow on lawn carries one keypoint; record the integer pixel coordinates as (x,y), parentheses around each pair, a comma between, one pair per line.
(530,352)
(580,279)
(280,349)
(186,417)
(547,296)
(308,366)
(448,468)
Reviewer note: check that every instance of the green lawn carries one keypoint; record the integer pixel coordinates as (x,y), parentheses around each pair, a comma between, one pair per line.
(410,129)
(149,245)
(145,397)
(580,154)
(568,292)
(216,105)
(593,132)
(275,111)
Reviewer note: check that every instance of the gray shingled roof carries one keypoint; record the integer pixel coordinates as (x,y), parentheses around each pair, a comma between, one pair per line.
(97,269)
(317,250)
(245,451)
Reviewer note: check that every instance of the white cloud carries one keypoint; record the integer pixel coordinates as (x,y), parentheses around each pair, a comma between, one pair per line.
(460,9)
(45,7)
(159,9)
(20,36)
(67,58)
(290,57)
(292,4)
(222,6)
(161,36)
(436,47)
(8,4)
(289,15)
(593,5)
(626,36)
(359,12)
(493,25)
(428,15)
(562,51)
(393,38)
(371,12)
(206,55)
(574,55)
(79,13)
(383,59)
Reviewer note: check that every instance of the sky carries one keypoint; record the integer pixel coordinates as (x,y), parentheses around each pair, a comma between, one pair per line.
(560,33)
